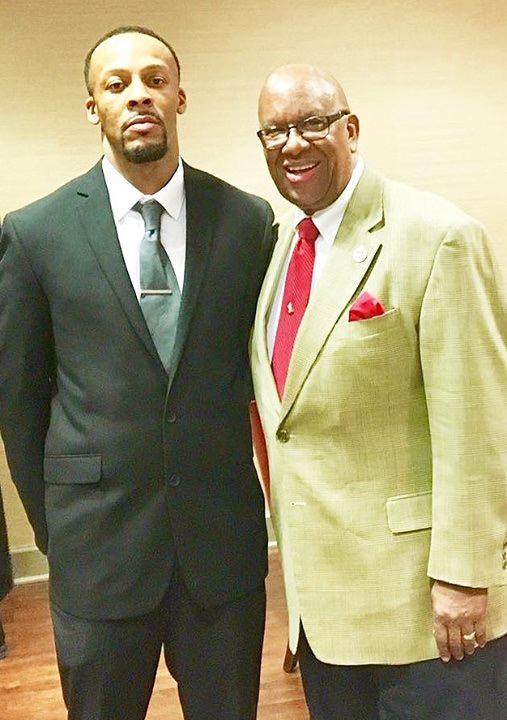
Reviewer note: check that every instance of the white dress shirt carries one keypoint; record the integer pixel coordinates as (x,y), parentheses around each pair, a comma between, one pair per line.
(328,223)
(130,225)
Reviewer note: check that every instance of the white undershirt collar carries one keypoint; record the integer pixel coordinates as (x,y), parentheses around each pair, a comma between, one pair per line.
(123,195)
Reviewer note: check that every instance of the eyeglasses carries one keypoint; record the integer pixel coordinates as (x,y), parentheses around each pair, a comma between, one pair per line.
(312,128)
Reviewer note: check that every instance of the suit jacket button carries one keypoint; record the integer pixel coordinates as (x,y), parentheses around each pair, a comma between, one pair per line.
(171,417)
(174,480)
(283,435)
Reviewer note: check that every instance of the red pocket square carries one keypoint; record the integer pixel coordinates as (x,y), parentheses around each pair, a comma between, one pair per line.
(366,306)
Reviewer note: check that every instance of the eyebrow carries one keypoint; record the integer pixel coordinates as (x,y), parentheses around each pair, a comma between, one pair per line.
(120,70)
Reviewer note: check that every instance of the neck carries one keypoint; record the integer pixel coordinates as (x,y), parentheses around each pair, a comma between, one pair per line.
(147,177)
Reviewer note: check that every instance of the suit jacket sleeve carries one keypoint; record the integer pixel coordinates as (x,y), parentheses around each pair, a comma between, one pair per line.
(25,375)
(463,337)
(266,250)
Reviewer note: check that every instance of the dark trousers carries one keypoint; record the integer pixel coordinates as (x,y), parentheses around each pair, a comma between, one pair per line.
(5,561)
(473,689)
(108,668)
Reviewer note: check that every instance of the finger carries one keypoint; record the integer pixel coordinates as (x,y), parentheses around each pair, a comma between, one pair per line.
(468,639)
(480,633)
(442,641)
(455,644)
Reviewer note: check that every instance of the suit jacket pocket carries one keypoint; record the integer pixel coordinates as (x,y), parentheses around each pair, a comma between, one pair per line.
(369,327)
(406,513)
(72,469)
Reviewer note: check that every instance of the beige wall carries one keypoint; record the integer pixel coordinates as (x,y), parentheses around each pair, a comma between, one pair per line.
(425,77)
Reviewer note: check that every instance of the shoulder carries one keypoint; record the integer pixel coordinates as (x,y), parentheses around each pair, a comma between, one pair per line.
(50,207)
(425,211)
(424,229)
(223,193)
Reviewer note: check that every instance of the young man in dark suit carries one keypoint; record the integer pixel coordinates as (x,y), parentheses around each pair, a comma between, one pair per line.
(126,303)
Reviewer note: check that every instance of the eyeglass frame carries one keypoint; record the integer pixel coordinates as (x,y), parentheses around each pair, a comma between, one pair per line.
(330,119)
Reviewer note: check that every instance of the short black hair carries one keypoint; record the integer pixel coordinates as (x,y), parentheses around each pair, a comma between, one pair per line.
(121,31)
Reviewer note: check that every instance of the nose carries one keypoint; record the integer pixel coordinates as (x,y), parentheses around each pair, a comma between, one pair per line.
(138,94)
(295,143)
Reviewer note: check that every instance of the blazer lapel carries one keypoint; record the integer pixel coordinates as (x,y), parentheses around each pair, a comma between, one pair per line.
(97,220)
(353,252)
(201,214)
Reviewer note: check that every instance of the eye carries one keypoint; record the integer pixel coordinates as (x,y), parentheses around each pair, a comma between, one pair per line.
(115,86)
(157,81)
(273,132)
(313,124)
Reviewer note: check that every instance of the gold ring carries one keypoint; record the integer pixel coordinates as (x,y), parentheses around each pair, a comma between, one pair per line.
(469,637)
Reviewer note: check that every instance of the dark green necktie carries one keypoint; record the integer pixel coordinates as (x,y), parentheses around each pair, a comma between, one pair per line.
(160,293)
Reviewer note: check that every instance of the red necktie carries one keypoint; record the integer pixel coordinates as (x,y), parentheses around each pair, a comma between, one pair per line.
(295,299)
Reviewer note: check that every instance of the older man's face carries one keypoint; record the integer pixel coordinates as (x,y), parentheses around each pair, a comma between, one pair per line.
(309,174)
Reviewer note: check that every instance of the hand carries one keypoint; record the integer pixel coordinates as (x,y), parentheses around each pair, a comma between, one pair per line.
(458,613)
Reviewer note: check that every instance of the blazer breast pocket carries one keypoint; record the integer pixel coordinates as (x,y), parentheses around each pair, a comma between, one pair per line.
(380,332)
(72,469)
(370,327)
(368,361)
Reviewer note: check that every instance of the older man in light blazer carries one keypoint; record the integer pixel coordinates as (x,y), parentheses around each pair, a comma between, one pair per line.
(380,370)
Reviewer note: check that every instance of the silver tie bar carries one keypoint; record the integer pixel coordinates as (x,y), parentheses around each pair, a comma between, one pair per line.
(156,292)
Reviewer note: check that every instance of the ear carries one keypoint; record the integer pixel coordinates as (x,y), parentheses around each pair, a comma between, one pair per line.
(353,131)
(182,101)
(91,111)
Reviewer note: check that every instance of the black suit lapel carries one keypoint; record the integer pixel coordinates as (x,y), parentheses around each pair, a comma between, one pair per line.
(94,210)
(201,214)
(97,219)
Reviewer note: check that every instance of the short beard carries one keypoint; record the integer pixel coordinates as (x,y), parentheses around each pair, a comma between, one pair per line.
(146,153)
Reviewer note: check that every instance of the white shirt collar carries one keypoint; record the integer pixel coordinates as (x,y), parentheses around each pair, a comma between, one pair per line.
(123,195)
(328,220)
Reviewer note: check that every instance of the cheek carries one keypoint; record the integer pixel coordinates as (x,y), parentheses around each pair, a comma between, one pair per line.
(339,161)
(106,115)
(274,167)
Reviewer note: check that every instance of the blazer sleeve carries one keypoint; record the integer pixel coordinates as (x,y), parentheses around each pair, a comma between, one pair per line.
(25,375)
(463,334)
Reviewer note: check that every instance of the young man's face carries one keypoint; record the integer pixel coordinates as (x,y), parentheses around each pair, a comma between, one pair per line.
(136,98)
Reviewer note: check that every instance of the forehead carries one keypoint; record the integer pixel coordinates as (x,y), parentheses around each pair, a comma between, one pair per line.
(130,51)
(285,99)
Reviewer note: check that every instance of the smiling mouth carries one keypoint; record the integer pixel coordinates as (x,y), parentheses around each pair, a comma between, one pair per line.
(300,173)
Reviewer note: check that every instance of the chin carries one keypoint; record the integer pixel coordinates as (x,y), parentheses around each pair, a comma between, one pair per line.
(145,153)
(295,198)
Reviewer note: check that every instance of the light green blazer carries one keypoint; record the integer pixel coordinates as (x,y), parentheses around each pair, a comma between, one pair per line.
(388,453)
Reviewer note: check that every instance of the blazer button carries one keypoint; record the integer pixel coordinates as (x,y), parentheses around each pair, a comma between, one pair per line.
(283,435)
(171,417)
(174,480)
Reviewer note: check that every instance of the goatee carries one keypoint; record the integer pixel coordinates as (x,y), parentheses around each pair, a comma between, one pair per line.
(146,153)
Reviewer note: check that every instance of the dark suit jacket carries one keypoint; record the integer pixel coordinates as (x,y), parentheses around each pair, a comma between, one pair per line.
(122,468)
(5,560)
